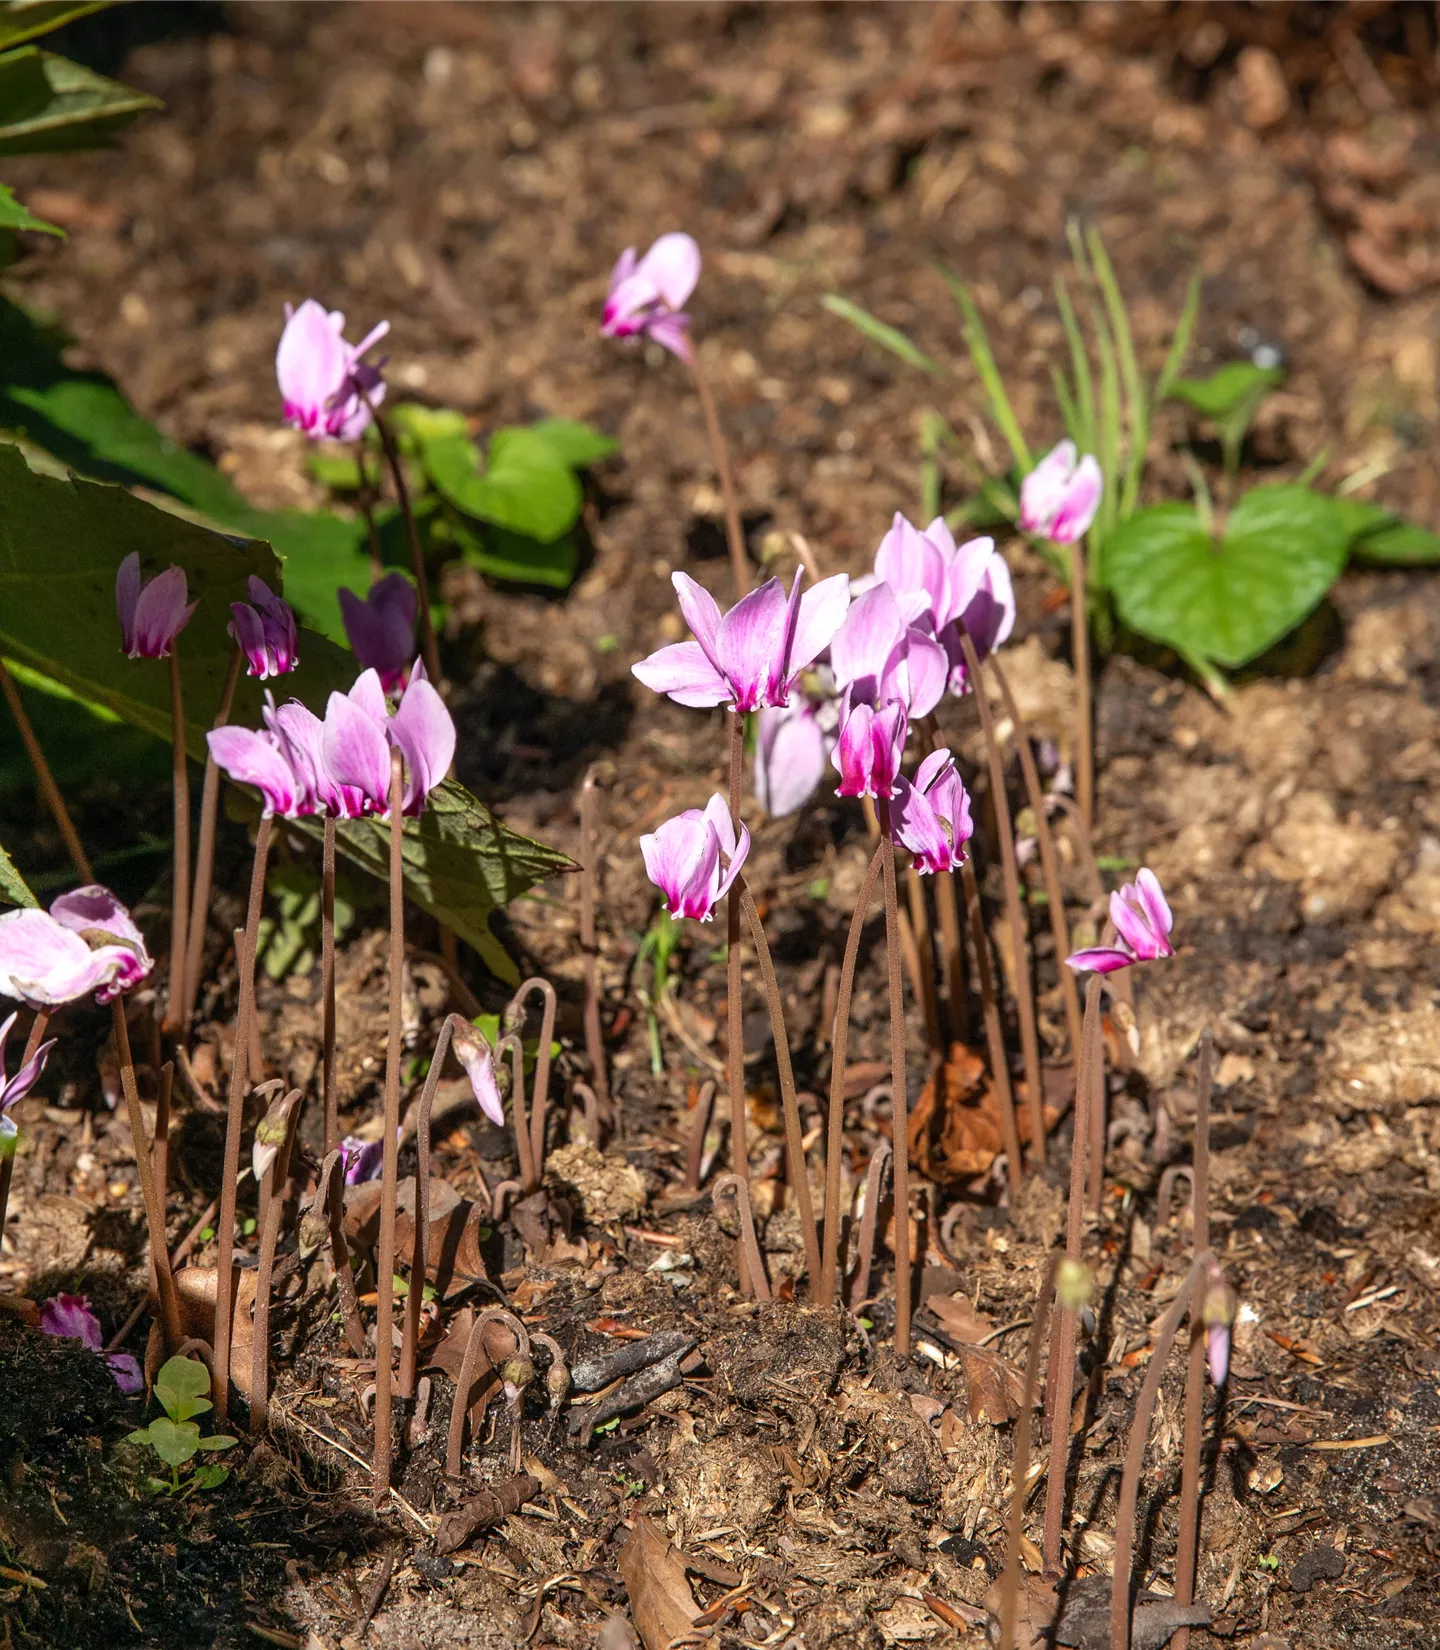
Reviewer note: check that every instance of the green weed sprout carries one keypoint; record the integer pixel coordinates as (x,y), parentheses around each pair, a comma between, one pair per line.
(181,1387)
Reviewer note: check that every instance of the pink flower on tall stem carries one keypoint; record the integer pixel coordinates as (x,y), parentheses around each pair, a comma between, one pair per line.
(1060,496)
(647,295)
(877,657)
(152,612)
(694,857)
(69,1318)
(87,941)
(264,630)
(868,752)
(931,816)
(1142,929)
(750,656)
(322,377)
(381,628)
(359,732)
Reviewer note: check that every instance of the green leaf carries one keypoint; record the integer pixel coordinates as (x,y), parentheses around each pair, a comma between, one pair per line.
(977,341)
(219,1441)
(14,215)
(573,443)
(1380,536)
(24,19)
(1227,388)
(500,554)
(1230,601)
(426,424)
(49,104)
(173,1441)
(183,1388)
(878,332)
(524,485)
(12,885)
(209,1475)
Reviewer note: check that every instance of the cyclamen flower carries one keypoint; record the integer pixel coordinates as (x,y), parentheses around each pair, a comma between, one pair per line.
(360,731)
(473,1051)
(694,857)
(17,1087)
(381,627)
(152,612)
(68,1317)
(792,750)
(750,656)
(87,941)
(1142,929)
(321,377)
(299,736)
(1060,496)
(251,756)
(264,631)
(878,657)
(868,752)
(931,817)
(647,296)
(363,1159)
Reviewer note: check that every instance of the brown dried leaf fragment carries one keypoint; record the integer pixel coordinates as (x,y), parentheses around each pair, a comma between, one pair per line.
(661,1603)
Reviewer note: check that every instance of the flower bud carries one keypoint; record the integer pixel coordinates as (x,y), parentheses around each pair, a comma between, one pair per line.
(314,1229)
(517,1373)
(1073,1284)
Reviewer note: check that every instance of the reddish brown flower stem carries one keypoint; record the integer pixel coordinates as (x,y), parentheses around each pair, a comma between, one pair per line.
(952,951)
(524,1154)
(235,1122)
(994,1032)
(1060,1384)
(1187,1548)
(899,1101)
(205,853)
(1135,1452)
(835,1123)
(330,1199)
(394,1052)
(275,1176)
(327,984)
(1049,864)
(752,1260)
(789,1106)
(924,961)
(49,790)
(470,1371)
(419,1260)
(734,528)
(1025,1001)
(699,1124)
(391,448)
(540,1094)
(144,1168)
(734,1019)
(589,872)
(180,876)
(865,1247)
(1080,647)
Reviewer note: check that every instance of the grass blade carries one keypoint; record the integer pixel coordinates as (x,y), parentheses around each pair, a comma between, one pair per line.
(878,332)
(1080,365)
(1136,402)
(1180,342)
(977,341)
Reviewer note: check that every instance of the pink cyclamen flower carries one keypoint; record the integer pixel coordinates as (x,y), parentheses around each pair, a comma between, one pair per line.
(381,627)
(252,756)
(18,1086)
(877,657)
(359,733)
(69,1318)
(870,747)
(694,857)
(87,941)
(299,737)
(1060,496)
(1217,1351)
(931,816)
(363,1159)
(792,750)
(264,629)
(648,295)
(321,377)
(473,1051)
(1142,929)
(750,656)
(152,612)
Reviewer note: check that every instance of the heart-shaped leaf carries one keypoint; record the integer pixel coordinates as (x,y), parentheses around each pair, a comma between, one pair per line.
(1226,388)
(173,1441)
(1226,601)
(525,484)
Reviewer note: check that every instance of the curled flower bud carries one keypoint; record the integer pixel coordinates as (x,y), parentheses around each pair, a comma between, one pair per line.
(152,612)
(269,1138)
(473,1051)
(314,1229)
(517,1373)
(264,629)
(1073,1284)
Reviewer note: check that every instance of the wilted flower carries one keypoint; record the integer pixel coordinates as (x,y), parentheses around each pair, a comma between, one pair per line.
(648,295)
(1059,498)
(359,732)
(473,1051)
(152,612)
(270,1134)
(1142,929)
(750,656)
(694,857)
(68,1317)
(87,941)
(381,627)
(931,816)
(321,376)
(17,1087)
(870,747)
(264,629)
(792,750)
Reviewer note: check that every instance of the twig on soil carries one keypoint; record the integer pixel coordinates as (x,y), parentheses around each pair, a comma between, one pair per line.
(484,1511)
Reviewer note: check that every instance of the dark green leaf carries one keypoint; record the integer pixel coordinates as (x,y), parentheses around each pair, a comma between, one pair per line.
(219,1441)
(574,443)
(24,19)
(14,215)
(505,555)
(48,103)
(878,332)
(1283,549)
(1226,388)
(12,885)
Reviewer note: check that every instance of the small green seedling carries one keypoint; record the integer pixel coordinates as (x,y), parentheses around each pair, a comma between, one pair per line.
(181,1386)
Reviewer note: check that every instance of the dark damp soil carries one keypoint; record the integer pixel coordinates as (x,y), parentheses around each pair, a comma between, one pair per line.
(470,172)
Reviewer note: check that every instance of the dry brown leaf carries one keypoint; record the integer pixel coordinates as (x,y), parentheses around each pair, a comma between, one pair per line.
(958,1318)
(995,1388)
(661,1603)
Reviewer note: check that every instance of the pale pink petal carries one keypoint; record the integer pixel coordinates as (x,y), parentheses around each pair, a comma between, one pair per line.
(92,911)
(251,758)
(750,636)
(1043,491)
(671,332)
(967,573)
(912,566)
(368,697)
(1152,898)
(822,611)
(700,611)
(672,266)
(311,363)
(473,1051)
(732,870)
(928,668)
(1130,922)
(160,614)
(862,646)
(790,758)
(683,671)
(931,769)
(423,729)
(356,751)
(28,1075)
(1081,501)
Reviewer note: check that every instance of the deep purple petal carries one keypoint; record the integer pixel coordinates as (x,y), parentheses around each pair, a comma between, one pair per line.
(161,614)
(68,1317)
